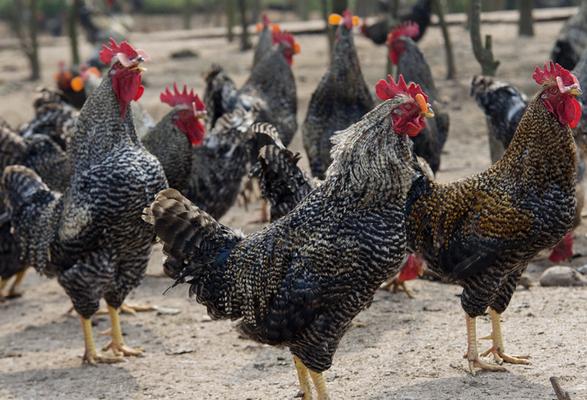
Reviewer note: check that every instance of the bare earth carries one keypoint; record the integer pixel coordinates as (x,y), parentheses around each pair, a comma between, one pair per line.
(406,349)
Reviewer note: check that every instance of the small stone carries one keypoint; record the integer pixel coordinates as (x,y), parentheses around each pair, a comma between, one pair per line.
(560,275)
(583,269)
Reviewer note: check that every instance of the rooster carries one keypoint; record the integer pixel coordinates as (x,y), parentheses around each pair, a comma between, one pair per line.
(91,237)
(341,98)
(270,87)
(571,40)
(481,232)
(265,44)
(300,282)
(410,61)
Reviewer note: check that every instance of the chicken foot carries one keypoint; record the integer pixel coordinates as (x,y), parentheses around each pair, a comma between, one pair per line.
(304,373)
(472,353)
(117,343)
(91,356)
(498,348)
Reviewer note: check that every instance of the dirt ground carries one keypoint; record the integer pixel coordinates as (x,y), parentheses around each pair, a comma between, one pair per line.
(406,349)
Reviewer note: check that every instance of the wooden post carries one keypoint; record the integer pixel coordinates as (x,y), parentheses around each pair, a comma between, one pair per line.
(451,72)
(230,19)
(393,8)
(245,41)
(526,22)
(187,14)
(483,53)
(74,10)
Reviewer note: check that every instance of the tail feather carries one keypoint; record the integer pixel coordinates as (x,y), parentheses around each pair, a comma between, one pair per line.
(192,239)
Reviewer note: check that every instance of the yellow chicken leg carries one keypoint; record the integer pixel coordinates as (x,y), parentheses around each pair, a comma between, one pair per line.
(320,384)
(498,349)
(117,343)
(91,356)
(131,309)
(2,285)
(13,293)
(472,352)
(304,379)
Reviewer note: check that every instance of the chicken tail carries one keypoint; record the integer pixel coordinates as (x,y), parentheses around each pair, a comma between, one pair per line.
(193,241)
(20,184)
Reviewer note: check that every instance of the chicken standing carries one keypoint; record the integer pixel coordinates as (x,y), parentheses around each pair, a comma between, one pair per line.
(92,237)
(341,98)
(300,281)
(271,87)
(410,61)
(481,232)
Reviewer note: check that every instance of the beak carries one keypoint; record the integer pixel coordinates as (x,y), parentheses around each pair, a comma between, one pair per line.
(425,108)
(576,92)
(138,68)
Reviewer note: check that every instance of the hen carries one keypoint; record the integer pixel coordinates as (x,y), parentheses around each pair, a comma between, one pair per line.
(271,87)
(92,237)
(410,61)
(420,14)
(341,98)
(300,281)
(481,232)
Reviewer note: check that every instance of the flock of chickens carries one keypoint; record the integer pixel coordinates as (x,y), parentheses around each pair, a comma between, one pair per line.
(85,194)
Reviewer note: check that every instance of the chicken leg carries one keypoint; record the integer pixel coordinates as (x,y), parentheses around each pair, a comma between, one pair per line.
(2,285)
(91,356)
(12,292)
(498,349)
(117,343)
(472,353)
(319,382)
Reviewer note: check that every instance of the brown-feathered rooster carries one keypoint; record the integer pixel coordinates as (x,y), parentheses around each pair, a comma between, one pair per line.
(481,232)
(92,237)
(300,281)
(271,87)
(341,98)
(571,40)
(410,61)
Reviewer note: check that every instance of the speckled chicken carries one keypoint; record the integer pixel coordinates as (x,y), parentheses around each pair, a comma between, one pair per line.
(410,61)
(271,87)
(481,232)
(341,98)
(265,43)
(300,281)
(571,40)
(92,237)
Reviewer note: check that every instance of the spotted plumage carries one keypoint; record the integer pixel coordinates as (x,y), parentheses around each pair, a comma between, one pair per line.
(300,281)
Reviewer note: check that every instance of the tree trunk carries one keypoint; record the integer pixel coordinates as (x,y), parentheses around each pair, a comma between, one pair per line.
(72,31)
(451,71)
(303,10)
(187,14)
(526,22)
(256,11)
(34,44)
(483,53)
(245,41)
(392,19)
(230,19)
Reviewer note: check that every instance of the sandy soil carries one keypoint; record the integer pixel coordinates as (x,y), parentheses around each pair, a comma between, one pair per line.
(407,349)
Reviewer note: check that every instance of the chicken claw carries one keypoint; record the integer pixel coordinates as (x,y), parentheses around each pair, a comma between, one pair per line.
(91,356)
(498,349)
(472,353)
(117,343)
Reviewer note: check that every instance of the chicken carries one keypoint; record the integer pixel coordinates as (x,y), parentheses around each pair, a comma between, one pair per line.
(300,281)
(91,237)
(282,181)
(171,140)
(265,43)
(412,269)
(410,61)
(503,105)
(271,86)
(571,40)
(341,98)
(481,232)
(420,14)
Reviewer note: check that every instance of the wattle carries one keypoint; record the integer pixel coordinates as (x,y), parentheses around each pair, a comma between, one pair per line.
(192,128)
(127,87)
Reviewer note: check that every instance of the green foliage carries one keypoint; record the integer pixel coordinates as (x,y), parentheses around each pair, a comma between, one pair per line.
(47,8)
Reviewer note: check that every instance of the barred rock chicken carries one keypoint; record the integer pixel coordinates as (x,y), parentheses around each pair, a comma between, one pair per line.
(92,237)
(410,61)
(300,281)
(271,86)
(571,40)
(172,139)
(503,105)
(265,43)
(341,98)
(420,14)
(481,232)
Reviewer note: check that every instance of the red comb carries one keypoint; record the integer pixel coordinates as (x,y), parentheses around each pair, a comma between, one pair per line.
(283,36)
(554,73)
(124,52)
(389,89)
(409,29)
(265,20)
(184,97)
